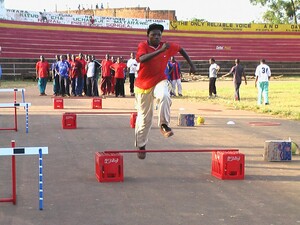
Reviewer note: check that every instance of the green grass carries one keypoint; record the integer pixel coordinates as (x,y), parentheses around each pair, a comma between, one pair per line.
(284,97)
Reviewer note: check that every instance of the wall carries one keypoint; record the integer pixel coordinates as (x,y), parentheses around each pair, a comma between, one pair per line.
(138,12)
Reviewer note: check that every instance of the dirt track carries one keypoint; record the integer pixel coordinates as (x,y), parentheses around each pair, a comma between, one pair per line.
(166,189)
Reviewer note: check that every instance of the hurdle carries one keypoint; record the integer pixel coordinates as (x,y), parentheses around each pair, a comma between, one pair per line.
(17,151)
(69,119)
(226,163)
(15,105)
(58,102)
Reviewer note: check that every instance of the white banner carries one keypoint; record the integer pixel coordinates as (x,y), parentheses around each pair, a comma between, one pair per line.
(82,20)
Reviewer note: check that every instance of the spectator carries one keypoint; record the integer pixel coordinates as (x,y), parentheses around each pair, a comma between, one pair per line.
(90,68)
(131,66)
(153,56)
(62,68)
(76,74)
(238,72)
(175,76)
(42,73)
(112,76)
(55,77)
(80,81)
(0,74)
(119,67)
(92,20)
(105,85)
(213,74)
(262,77)
(96,76)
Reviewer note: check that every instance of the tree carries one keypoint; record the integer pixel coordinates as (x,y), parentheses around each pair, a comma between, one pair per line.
(280,11)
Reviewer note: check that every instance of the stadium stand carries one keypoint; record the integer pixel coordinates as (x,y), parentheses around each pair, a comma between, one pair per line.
(23,42)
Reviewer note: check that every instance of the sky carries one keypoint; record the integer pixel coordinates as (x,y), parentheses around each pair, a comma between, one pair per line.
(228,11)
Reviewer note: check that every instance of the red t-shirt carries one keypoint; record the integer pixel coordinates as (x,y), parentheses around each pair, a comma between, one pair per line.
(83,64)
(119,69)
(42,69)
(106,67)
(76,69)
(153,71)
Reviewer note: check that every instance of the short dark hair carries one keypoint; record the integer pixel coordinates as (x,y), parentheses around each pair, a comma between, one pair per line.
(155,26)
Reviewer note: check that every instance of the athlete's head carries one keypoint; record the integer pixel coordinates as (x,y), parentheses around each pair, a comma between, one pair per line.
(154,33)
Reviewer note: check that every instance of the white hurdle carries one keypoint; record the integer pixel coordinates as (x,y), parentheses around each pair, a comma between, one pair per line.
(15,105)
(16,151)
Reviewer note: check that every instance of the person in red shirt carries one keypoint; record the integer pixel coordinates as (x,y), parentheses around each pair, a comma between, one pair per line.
(119,68)
(80,80)
(42,72)
(153,56)
(105,84)
(75,72)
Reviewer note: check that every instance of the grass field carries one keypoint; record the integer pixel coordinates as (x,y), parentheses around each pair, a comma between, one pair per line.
(284,95)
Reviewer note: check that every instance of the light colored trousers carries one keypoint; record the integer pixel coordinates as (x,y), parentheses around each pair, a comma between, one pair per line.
(263,90)
(144,105)
(179,87)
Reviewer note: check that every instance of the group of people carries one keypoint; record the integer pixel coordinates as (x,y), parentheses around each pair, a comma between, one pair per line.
(262,77)
(152,81)
(82,73)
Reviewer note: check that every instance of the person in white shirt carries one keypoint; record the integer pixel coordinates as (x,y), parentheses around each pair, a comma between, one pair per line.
(213,74)
(132,68)
(262,77)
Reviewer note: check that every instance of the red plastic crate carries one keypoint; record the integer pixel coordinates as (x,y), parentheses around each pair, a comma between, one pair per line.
(58,103)
(109,167)
(228,165)
(97,103)
(133,119)
(69,121)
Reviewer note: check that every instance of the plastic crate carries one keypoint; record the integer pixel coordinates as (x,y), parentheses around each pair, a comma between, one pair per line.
(109,167)
(228,165)
(69,121)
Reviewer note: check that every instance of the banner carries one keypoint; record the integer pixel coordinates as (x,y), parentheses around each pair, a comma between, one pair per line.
(232,27)
(82,20)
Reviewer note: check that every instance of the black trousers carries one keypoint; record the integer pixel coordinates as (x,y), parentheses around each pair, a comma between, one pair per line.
(131,82)
(120,87)
(212,86)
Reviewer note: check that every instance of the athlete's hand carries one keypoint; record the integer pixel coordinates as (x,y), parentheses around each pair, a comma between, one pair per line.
(165,46)
(192,69)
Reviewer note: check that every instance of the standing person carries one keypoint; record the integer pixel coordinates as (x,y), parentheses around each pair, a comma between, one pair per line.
(119,67)
(131,65)
(80,81)
(238,72)
(105,85)
(262,77)
(75,75)
(62,68)
(55,77)
(112,77)
(96,76)
(90,68)
(213,74)
(153,56)
(42,73)
(175,76)
(0,74)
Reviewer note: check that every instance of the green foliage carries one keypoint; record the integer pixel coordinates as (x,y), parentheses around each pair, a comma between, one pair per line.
(280,11)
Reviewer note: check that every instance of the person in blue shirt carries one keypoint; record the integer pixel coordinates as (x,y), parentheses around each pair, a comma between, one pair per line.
(62,68)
